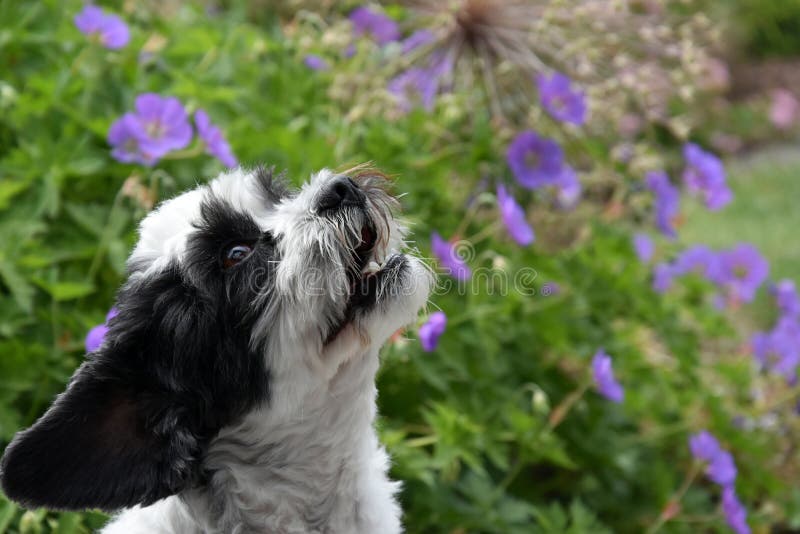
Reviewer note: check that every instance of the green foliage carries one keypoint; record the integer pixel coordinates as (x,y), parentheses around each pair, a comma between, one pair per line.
(768,27)
(499,430)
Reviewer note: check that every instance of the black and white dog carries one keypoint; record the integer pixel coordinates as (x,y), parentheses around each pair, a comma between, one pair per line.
(234,391)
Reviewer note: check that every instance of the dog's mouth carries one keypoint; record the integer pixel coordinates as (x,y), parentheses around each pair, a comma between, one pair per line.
(367,274)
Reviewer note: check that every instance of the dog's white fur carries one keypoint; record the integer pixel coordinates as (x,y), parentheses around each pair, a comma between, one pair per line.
(309,460)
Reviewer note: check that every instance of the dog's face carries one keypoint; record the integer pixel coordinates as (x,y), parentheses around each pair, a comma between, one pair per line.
(241,294)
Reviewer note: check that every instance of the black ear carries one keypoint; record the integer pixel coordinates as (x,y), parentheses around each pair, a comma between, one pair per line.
(135,420)
(96,448)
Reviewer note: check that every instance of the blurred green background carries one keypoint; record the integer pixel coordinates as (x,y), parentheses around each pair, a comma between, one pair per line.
(498,430)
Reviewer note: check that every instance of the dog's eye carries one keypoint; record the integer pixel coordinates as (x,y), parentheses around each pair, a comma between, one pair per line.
(236,253)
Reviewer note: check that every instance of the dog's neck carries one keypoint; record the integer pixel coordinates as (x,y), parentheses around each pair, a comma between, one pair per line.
(317,469)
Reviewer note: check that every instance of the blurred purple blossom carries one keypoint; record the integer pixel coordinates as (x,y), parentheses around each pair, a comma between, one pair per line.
(698,259)
(158,126)
(431,330)
(666,201)
(722,469)
(97,334)
(422,82)
(315,62)
(704,174)
(704,446)
(644,247)
(536,161)
(568,188)
(377,25)
(212,136)
(417,39)
(779,349)
(734,512)
(663,276)
(109,29)
(604,380)
(449,257)
(786,298)
(513,217)
(560,100)
(742,270)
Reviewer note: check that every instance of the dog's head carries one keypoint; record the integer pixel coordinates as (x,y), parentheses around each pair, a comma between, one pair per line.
(241,294)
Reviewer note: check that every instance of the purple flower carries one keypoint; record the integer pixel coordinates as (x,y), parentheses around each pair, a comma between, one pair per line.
(514,217)
(644,247)
(535,161)
(417,39)
(550,289)
(158,126)
(569,188)
(779,350)
(422,82)
(666,201)
(722,469)
(215,143)
(604,379)
(449,258)
(742,271)
(108,29)
(314,62)
(704,446)
(377,25)
(786,298)
(704,174)
(698,259)
(430,332)
(560,100)
(663,276)
(96,335)
(735,513)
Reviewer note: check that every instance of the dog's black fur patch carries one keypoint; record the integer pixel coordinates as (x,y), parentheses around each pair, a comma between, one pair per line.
(176,366)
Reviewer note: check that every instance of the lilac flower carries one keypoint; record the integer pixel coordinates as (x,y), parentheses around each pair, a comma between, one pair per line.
(535,161)
(604,379)
(735,513)
(158,126)
(560,100)
(124,135)
(704,174)
(779,350)
(108,29)
(569,188)
(423,82)
(667,201)
(663,276)
(216,145)
(644,247)
(314,62)
(96,335)
(722,469)
(514,217)
(742,271)
(698,259)
(449,258)
(786,298)
(704,446)
(431,330)
(377,25)
(417,39)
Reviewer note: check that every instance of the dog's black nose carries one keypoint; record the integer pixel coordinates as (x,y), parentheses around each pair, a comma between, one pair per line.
(342,191)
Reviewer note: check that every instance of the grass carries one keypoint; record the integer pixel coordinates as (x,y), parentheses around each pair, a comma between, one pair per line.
(764,211)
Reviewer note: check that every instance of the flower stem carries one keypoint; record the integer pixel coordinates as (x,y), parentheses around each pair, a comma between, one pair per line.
(672,508)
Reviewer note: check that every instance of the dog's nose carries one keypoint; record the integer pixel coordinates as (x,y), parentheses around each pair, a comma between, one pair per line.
(342,191)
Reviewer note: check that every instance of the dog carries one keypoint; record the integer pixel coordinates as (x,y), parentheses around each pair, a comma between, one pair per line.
(235,389)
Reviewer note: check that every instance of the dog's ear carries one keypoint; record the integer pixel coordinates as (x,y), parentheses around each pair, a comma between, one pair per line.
(96,447)
(133,424)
